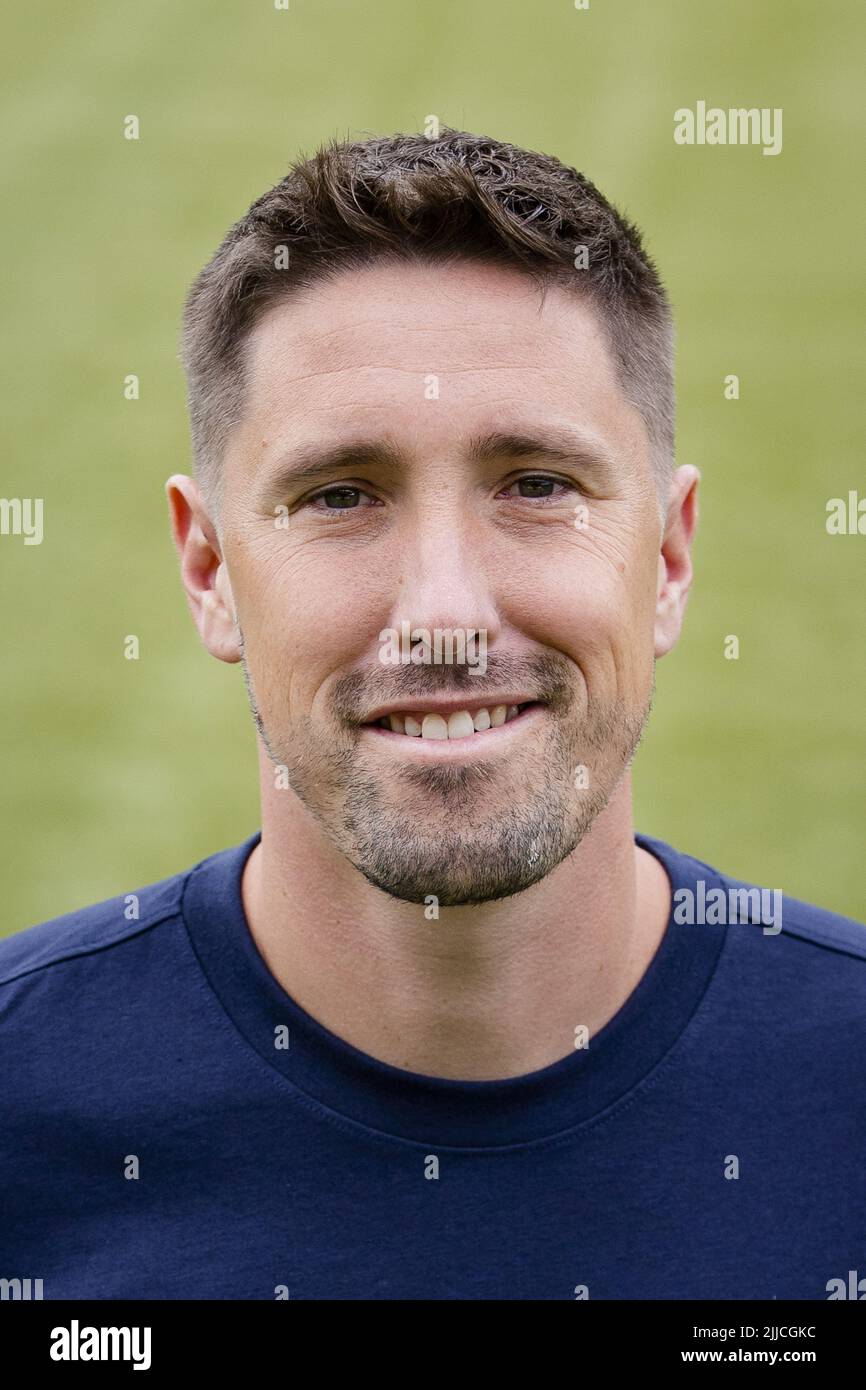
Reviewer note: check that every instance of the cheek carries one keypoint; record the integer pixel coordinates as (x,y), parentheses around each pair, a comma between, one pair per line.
(307,613)
(594,602)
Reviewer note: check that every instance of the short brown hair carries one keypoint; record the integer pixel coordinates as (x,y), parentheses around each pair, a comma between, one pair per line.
(409,197)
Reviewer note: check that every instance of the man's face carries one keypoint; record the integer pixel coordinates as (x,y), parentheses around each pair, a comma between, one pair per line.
(434,514)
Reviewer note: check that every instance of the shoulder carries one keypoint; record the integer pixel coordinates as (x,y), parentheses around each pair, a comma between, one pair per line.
(90,931)
(800,923)
(821,928)
(778,939)
(807,962)
(114,980)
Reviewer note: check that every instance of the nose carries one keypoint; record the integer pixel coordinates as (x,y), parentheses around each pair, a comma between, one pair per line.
(446,583)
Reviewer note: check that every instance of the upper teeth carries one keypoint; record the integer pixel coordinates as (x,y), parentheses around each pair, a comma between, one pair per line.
(458,725)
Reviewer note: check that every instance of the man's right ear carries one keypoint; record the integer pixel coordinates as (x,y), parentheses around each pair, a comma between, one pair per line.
(202,569)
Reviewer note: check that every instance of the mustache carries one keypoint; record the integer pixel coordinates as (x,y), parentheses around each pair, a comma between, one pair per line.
(549,675)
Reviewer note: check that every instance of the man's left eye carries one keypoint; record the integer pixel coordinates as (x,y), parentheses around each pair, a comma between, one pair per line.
(537,486)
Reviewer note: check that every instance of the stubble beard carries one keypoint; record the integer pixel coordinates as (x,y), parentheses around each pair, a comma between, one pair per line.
(471,834)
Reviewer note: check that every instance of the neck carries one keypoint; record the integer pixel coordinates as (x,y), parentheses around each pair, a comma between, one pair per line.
(482,993)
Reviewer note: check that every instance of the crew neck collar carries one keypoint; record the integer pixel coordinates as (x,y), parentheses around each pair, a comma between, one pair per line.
(427,1109)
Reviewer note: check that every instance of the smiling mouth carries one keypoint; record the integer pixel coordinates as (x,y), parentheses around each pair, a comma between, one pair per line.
(460,724)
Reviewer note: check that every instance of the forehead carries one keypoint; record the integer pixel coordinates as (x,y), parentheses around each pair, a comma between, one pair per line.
(427,350)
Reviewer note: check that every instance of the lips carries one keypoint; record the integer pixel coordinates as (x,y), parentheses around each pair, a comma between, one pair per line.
(440,724)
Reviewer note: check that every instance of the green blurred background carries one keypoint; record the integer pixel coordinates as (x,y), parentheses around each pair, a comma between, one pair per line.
(117,772)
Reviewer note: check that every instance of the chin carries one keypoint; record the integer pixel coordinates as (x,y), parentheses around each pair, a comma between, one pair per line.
(459,868)
(451,892)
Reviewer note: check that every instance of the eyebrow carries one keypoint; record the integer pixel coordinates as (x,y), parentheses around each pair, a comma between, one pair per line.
(556,447)
(317,463)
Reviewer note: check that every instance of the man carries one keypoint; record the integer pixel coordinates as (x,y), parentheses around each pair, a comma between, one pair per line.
(447,1027)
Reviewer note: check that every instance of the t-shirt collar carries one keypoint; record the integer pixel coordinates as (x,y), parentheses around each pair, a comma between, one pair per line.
(433,1110)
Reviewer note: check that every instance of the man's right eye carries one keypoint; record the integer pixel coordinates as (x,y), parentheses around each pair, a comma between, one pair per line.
(338,499)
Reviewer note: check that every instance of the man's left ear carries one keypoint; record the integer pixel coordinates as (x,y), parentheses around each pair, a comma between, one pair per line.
(675,558)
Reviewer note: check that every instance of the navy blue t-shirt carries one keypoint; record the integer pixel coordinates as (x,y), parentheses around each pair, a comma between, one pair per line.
(176,1126)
